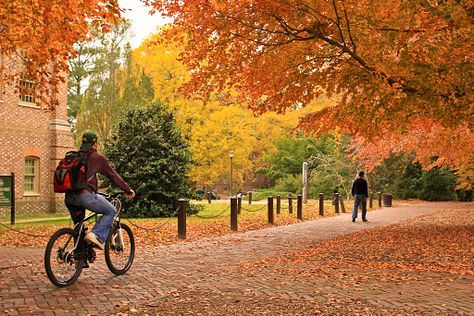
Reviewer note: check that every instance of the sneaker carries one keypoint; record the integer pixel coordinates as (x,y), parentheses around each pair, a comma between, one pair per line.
(353,220)
(364,220)
(92,238)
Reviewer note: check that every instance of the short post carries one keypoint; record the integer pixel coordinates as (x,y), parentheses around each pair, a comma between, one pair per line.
(278,204)
(239,204)
(343,208)
(380,199)
(371,200)
(299,207)
(290,204)
(321,204)
(233,214)
(250,197)
(12,219)
(182,219)
(336,202)
(209,197)
(270,209)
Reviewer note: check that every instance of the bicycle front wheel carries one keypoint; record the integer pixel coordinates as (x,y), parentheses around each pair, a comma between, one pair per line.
(61,262)
(119,249)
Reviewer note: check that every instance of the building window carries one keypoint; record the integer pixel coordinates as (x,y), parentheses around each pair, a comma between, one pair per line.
(31,181)
(27,92)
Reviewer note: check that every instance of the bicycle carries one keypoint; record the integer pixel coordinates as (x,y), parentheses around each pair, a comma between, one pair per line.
(67,253)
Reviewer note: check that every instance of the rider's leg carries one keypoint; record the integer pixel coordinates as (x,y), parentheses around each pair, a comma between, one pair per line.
(98,204)
(77,211)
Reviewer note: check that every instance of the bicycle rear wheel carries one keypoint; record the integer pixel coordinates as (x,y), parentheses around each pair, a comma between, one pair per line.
(119,249)
(61,262)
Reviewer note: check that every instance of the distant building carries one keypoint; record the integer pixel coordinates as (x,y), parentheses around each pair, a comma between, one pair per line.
(32,141)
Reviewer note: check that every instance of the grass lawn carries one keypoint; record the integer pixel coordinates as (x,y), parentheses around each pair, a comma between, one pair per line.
(5,218)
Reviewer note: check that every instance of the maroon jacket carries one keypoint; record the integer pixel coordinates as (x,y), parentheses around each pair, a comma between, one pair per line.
(96,163)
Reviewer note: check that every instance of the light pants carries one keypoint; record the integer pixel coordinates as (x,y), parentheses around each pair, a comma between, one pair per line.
(98,204)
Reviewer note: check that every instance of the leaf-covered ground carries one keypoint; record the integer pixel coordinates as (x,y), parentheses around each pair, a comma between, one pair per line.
(442,243)
(162,231)
(424,266)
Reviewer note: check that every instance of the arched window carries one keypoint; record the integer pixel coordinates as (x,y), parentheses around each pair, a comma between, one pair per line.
(31,178)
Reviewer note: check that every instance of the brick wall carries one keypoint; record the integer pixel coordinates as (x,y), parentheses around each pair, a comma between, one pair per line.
(30,131)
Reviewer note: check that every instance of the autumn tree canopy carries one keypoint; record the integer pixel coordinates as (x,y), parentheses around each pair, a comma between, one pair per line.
(213,129)
(41,35)
(395,66)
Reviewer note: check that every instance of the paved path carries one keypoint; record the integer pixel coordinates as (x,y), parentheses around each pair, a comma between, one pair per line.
(213,265)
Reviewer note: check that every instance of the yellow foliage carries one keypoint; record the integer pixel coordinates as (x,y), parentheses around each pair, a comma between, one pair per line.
(215,128)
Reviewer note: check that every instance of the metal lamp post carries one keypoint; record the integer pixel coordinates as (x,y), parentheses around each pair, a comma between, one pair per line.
(231,155)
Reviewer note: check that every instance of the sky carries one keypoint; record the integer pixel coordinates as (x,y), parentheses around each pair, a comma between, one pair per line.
(143,24)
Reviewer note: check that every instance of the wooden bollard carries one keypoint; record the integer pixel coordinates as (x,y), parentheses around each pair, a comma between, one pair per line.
(239,204)
(278,204)
(343,208)
(290,204)
(380,199)
(209,197)
(371,200)
(336,202)
(182,218)
(270,209)
(321,204)
(233,214)
(250,197)
(299,207)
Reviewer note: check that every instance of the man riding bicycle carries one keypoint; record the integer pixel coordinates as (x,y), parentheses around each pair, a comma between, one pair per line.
(77,202)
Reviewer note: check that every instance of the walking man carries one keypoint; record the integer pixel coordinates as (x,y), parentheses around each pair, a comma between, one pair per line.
(360,191)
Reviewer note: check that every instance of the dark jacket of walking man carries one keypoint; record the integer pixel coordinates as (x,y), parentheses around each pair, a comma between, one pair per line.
(360,191)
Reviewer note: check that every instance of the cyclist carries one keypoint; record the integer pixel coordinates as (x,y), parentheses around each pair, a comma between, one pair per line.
(88,198)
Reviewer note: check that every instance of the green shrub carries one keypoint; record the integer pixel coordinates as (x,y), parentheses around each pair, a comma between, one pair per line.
(438,185)
(147,149)
(289,183)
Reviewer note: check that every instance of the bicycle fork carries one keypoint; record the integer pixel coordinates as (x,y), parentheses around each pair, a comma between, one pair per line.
(117,240)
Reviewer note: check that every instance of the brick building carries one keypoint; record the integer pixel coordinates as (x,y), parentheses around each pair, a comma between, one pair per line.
(32,141)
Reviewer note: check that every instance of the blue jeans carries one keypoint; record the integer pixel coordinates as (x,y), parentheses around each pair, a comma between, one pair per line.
(359,199)
(98,204)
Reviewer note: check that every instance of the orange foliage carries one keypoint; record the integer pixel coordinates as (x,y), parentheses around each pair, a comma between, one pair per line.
(40,35)
(392,65)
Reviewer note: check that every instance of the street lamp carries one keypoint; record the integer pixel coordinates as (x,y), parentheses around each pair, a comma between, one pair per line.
(231,155)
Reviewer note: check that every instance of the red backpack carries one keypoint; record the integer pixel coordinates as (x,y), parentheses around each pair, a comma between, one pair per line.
(71,173)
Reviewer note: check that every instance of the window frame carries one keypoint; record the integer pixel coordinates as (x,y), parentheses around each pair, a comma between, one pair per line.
(36,174)
(29,95)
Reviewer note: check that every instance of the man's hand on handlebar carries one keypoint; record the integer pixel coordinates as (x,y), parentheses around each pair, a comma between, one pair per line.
(131,195)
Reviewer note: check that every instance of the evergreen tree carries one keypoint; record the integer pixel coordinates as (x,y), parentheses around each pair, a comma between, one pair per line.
(438,185)
(147,149)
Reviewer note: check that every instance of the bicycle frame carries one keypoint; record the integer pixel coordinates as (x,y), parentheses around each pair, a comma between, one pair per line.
(81,228)
(80,253)
(115,200)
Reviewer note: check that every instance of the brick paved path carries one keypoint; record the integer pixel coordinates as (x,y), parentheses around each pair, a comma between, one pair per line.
(212,265)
